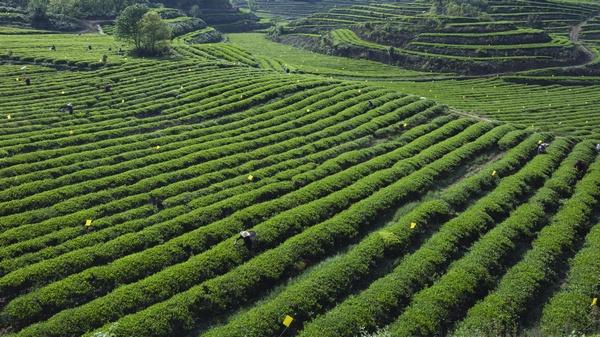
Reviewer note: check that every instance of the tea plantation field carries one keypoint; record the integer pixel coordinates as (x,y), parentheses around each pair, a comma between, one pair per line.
(384,199)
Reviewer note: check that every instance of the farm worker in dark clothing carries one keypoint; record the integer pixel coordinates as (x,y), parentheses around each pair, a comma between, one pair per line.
(107,88)
(581,167)
(69,108)
(53,48)
(27,81)
(542,148)
(249,238)
(157,202)
(371,105)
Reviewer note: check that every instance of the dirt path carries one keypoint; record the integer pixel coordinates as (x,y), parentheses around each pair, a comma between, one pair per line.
(470,115)
(574,37)
(93,26)
(575,30)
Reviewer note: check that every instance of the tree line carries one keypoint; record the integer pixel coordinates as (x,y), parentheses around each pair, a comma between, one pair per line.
(104,8)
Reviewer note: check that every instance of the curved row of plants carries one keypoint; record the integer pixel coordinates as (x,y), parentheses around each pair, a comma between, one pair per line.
(201,302)
(197,177)
(380,303)
(327,285)
(173,250)
(504,308)
(435,308)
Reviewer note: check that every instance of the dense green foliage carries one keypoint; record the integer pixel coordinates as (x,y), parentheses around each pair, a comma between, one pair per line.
(469,8)
(144,28)
(386,201)
(72,15)
(155,34)
(473,37)
(128,25)
(105,8)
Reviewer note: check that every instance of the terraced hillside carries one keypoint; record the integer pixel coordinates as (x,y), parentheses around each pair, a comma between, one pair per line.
(553,16)
(463,52)
(384,200)
(565,109)
(122,216)
(292,9)
(558,93)
(591,32)
(346,16)
(70,50)
(13,16)
(561,100)
(457,44)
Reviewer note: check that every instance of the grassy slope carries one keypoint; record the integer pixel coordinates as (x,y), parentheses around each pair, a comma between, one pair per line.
(185,146)
(315,63)
(564,109)
(69,47)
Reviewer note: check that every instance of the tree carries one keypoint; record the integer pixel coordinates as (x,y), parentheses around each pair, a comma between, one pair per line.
(470,8)
(145,29)
(128,24)
(155,34)
(37,9)
(65,7)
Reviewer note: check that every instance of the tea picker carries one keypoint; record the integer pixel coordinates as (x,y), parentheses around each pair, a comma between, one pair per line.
(249,238)
(68,108)
(581,167)
(598,147)
(542,148)
(157,202)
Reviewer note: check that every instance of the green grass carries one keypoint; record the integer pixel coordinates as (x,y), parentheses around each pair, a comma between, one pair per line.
(379,210)
(18,30)
(562,109)
(315,63)
(69,47)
